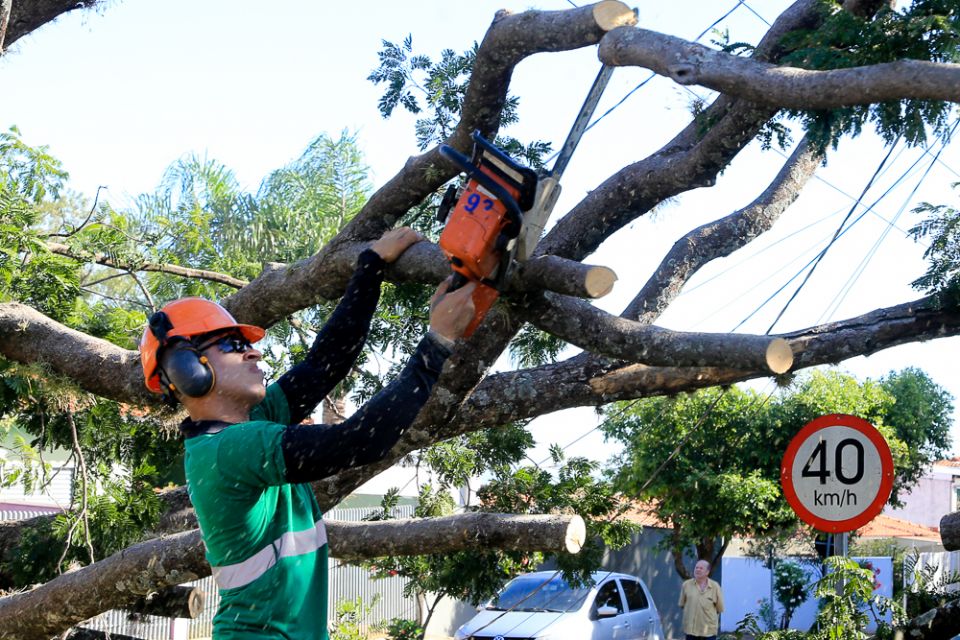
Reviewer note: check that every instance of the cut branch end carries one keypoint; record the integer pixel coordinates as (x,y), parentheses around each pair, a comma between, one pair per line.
(611,14)
(576,535)
(779,355)
(599,281)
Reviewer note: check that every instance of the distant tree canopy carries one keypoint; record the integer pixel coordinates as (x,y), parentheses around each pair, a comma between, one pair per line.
(710,461)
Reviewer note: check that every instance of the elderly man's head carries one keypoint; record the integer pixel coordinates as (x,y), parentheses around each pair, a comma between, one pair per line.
(701,569)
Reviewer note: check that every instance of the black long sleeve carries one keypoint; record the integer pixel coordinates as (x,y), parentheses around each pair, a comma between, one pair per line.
(312,452)
(339,342)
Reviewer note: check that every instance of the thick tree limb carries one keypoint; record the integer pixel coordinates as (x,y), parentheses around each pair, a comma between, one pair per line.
(722,237)
(689,63)
(692,159)
(563,276)
(27,15)
(529,393)
(640,187)
(593,381)
(120,580)
(601,333)
(556,534)
(28,336)
(942,622)
(172,269)
(510,39)
(950,531)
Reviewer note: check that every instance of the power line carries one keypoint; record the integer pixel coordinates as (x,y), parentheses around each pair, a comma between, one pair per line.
(648,78)
(838,300)
(835,236)
(845,229)
(751,10)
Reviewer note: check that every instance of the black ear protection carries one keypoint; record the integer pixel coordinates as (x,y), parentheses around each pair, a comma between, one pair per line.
(181,365)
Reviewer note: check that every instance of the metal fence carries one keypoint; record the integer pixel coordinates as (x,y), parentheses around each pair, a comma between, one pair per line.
(943,564)
(383,596)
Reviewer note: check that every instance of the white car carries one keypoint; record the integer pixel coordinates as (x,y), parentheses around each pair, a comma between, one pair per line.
(542,606)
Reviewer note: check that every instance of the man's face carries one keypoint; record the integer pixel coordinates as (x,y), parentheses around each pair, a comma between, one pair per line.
(701,570)
(234,361)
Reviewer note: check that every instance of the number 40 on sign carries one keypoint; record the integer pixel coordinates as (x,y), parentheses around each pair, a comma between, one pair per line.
(837,473)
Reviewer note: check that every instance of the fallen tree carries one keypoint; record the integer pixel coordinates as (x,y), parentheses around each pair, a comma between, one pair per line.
(126,577)
(626,356)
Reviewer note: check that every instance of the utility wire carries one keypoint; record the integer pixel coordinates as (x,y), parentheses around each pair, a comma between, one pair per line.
(835,236)
(650,77)
(857,203)
(838,300)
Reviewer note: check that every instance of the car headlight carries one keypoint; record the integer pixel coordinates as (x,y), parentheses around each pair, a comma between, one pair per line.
(460,634)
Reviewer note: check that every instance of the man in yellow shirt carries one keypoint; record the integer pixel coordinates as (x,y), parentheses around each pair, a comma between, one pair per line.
(702,601)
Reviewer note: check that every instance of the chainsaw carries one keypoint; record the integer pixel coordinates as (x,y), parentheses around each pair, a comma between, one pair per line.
(498,214)
(482,227)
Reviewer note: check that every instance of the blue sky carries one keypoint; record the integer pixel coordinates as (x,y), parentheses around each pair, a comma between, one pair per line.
(120,94)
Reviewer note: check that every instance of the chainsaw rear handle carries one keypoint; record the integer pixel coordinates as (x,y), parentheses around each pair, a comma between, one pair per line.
(459,280)
(473,171)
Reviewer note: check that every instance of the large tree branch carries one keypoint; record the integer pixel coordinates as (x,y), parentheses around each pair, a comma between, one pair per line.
(942,622)
(692,159)
(786,87)
(510,39)
(100,367)
(599,332)
(950,531)
(640,187)
(593,381)
(722,237)
(157,267)
(123,578)
(27,15)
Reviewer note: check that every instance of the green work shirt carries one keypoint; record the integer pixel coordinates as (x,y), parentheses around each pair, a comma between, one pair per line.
(265,538)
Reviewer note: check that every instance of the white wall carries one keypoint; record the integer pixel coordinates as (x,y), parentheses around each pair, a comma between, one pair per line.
(930,500)
(746,582)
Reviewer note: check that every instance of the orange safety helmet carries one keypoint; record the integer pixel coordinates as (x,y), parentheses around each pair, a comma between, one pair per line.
(186,318)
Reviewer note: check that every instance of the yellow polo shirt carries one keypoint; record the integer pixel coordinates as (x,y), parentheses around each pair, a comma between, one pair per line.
(701,610)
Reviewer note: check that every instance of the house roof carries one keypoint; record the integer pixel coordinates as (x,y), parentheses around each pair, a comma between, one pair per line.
(949,462)
(642,513)
(884,526)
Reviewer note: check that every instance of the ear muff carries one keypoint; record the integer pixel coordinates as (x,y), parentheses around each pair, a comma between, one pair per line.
(185,370)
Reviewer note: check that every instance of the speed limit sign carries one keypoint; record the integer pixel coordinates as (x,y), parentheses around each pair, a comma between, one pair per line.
(837,473)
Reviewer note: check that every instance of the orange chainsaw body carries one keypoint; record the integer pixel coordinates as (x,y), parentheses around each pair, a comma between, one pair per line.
(483,226)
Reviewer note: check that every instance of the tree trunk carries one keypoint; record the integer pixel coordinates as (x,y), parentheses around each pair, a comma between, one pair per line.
(125,577)
(942,622)
(950,531)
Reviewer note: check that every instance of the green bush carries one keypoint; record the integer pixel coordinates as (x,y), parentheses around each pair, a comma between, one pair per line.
(400,629)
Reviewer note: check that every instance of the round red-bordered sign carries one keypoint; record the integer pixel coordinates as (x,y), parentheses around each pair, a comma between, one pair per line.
(837,473)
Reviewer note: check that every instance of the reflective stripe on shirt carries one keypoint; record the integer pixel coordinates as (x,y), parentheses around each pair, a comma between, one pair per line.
(292,543)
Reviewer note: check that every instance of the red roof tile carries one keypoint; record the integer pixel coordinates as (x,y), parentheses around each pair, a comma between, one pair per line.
(884,526)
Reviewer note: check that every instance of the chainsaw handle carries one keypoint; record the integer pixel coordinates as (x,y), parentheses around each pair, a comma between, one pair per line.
(488,183)
(459,280)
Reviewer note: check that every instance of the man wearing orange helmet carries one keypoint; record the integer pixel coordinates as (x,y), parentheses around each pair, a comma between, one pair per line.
(247,457)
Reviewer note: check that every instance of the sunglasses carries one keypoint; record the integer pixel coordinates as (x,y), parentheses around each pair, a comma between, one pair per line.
(228,344)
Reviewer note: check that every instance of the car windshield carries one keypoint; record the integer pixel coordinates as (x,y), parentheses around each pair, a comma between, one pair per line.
(531,593)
